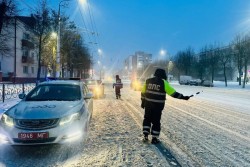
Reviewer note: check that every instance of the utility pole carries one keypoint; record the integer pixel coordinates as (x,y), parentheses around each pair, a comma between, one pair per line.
(58,56)
(58,65)
(15,53)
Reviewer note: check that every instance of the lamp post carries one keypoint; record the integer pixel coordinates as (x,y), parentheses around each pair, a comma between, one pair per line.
(99,63)
(58,58)
(170,67)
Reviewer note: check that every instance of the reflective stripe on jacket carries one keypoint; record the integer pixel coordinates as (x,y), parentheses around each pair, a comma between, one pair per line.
(118,84)
(155,89)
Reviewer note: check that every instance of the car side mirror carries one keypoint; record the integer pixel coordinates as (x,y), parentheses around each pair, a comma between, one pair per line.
(88,96)
(22,95)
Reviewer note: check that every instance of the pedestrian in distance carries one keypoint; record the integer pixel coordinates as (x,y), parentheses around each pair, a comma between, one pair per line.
(118,85)
(153,96)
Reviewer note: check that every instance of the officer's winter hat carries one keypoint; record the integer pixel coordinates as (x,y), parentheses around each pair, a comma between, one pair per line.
(160,73)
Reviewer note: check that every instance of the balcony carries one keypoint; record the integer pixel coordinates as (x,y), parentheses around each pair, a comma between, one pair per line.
(28,44)
(27,59)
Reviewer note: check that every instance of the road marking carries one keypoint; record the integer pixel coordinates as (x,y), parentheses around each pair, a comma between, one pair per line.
(211,123)
(160,146)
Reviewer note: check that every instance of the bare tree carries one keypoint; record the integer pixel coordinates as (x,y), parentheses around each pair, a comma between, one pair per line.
(246,58)
(213,57)
(225,58)
(202,63)
(8,9)
(49,55)
(184,60)
(239,52)
(43,29)
(74,53)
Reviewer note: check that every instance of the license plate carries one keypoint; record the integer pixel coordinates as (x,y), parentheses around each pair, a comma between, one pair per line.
(34,135)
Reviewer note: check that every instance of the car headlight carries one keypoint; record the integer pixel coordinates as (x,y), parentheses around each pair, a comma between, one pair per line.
(97,89)
(137,84)
(70,118)
(7,120)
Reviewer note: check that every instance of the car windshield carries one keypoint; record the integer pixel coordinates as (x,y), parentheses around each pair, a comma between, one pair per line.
(53,92)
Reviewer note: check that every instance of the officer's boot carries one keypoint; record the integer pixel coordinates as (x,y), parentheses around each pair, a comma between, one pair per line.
(145,138)
(155,140)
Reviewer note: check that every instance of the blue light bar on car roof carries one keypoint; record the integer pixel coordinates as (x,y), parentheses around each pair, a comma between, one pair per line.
(53,79)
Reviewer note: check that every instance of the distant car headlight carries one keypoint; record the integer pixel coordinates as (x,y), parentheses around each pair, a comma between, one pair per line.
(70,118)
(7,120)
(137,84)
(97,89)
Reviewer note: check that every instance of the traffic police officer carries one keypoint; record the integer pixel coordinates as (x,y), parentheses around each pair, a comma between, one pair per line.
(118,85)
(153,96)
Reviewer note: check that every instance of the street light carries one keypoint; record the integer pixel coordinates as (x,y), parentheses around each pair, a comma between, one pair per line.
(100,66)
(162,52)
(83,1)
(58,58)
(99,52)
(54,35)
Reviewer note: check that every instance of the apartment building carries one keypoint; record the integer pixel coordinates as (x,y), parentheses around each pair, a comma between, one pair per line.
(137,63)
(20,63)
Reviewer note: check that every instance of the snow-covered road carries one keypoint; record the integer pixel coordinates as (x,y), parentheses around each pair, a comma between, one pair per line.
(211,129)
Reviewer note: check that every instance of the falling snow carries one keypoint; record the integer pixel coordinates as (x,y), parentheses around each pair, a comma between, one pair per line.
(211,129)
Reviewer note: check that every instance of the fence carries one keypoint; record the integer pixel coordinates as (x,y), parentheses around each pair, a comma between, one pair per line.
(11,91)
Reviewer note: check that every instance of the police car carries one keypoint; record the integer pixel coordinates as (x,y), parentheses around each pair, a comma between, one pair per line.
(53,112)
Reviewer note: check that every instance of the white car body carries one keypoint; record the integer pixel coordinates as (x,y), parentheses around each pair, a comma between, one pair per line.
(48,121)
(184,79)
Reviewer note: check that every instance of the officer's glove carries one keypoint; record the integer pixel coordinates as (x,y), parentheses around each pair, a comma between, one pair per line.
(185,97)
(142,104)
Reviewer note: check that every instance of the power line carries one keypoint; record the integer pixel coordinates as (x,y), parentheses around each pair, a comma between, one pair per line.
(83,20)
(25,3)
(92,21)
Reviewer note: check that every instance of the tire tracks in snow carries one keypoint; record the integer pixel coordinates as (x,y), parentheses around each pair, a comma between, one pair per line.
(206,143)
(217,107)
(218,116)
(211,123)
(116,132)
(210,147)
(182,157)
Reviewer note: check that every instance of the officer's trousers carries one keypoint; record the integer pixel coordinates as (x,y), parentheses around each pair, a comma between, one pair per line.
(151,122)
(117,91)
